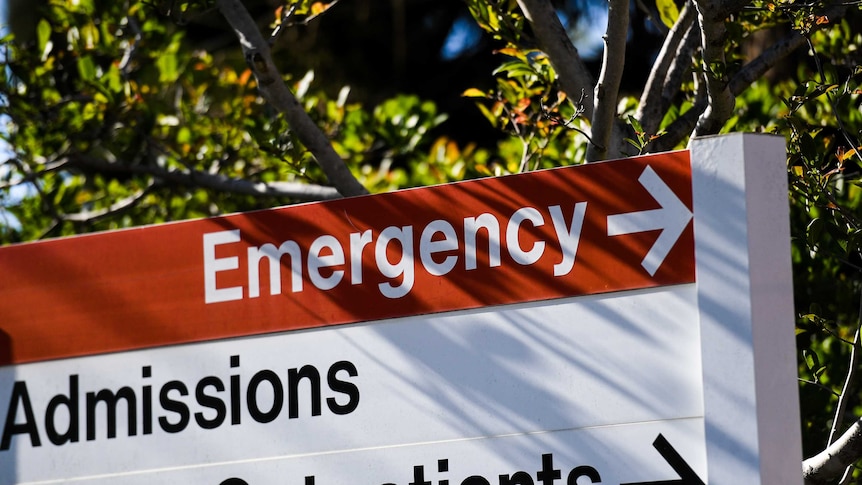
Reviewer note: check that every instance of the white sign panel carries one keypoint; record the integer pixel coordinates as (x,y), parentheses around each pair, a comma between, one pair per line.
(543,330)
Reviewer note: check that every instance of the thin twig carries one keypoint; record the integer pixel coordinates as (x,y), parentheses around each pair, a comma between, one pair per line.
(844,397)
(283,23)
(287,21)
(117,207)
(841,127)
(817,384)
(841,408)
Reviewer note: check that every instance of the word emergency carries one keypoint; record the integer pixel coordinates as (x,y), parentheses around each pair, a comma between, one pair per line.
(442,246)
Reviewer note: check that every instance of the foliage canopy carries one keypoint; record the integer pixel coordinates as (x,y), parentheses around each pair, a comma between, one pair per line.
(126,113)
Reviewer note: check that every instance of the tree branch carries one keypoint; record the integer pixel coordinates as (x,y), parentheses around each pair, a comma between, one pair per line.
(680,127)
(749,73)
(652,104)
(681,64)
(608,86)
(272,87)
(29,175)
(841,408)
(574,77)
(843,398)
(830,464)
(713,37)
(114,209)
(722,96)
(755,69)
(191,178)
(837,459)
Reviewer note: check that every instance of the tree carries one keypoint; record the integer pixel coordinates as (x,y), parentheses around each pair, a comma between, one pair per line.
(123,113)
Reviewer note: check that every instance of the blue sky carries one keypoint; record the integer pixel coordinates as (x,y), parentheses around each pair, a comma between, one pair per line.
(5,217)
(586,35)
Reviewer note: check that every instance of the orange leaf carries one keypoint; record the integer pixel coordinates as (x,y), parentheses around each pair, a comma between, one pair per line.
(509,51)
(842,155)
(318,7)
(243,78)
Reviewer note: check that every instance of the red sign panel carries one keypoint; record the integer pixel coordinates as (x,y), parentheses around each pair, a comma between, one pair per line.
(572,231)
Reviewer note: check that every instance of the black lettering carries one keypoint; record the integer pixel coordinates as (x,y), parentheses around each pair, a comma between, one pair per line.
(475,480)
(294,377)
(548,473)
(443,466)
(517,478)
(419,476)
(235,407)
(343,387)
(110,399)
(210,402)
(213,395)
(277,397)
(174,406)
(20,396)
(147,402)
(583,471)
(70,402)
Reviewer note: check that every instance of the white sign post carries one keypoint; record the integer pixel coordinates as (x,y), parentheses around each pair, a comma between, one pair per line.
(745,302)
(562,327)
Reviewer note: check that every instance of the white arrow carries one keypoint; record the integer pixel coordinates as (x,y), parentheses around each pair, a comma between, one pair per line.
(672,218)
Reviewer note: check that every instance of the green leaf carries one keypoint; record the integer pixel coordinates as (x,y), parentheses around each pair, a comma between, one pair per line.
(815,231)
(811,359)
(168,67)
(668,12)
(636,124)
(474,93)
(488,115)
(43,38)
(515,68)
(114,79)
(87,68)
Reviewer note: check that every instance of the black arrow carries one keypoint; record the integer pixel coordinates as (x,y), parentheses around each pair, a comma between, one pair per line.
(687,476)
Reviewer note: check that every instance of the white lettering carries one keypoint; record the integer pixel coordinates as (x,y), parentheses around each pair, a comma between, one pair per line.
(428,246)
(404,266)
(213,265)
(471,228)
(316,262)
(392,263)
(274,257)
(357,244)
(568,238)
(513,234)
